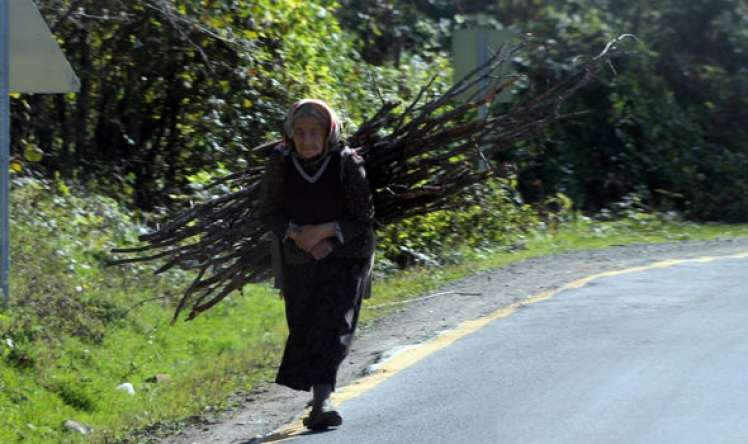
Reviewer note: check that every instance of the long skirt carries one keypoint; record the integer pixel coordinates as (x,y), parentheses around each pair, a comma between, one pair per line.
(323,300)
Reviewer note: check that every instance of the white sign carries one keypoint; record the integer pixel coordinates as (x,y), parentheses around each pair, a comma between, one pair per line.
(37,65)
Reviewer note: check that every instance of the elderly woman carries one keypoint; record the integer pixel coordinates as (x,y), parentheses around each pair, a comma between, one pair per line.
(316,200)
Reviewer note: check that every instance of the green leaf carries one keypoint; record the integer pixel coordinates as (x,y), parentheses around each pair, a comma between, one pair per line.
(32,153)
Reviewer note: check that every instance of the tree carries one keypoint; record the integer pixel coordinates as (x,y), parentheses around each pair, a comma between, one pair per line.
(173,90)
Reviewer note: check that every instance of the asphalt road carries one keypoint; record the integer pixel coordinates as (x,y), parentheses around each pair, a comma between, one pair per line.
(655,356)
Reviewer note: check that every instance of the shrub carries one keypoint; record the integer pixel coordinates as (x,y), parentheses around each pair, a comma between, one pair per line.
(491,214)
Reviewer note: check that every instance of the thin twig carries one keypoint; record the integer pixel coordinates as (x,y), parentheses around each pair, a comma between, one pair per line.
(423,298)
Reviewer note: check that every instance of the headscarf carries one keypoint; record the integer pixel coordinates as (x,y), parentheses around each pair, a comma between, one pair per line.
(322,112)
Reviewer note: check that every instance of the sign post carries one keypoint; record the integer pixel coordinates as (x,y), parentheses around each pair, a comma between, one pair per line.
(4,146)
(30,62)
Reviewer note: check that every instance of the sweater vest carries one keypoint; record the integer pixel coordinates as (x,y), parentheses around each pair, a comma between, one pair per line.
(311,200)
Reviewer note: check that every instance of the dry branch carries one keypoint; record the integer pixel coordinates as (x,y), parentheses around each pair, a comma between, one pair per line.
(417,158)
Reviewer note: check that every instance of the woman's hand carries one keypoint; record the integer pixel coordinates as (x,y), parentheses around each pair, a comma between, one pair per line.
(309,236)
(321,250)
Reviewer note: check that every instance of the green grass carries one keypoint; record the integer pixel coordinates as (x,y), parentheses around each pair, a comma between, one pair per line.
(77,329)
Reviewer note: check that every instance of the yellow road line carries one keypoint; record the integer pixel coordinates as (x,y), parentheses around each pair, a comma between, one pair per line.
(417,353)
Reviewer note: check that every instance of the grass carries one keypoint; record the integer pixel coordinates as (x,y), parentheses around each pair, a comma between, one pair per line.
(75,331)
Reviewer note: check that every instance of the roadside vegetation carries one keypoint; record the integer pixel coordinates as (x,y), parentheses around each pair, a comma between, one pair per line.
(76,330)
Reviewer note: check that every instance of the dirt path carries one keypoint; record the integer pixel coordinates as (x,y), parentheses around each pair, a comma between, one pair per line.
(270,406)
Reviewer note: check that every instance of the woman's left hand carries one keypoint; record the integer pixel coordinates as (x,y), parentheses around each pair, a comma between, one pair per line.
(308,236)
(321,250)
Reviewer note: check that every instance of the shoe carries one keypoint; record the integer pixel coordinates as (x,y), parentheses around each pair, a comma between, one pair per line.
(323,418)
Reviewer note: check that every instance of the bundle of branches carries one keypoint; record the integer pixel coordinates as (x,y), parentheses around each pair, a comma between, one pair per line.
(417,159)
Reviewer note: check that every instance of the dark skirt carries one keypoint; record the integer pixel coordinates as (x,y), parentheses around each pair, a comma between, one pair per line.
(323,300)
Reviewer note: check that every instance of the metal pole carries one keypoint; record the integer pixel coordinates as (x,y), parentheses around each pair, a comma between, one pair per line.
(4,147)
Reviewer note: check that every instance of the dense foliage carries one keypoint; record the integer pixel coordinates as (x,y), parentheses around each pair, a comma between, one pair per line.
(170,90)
(667,127)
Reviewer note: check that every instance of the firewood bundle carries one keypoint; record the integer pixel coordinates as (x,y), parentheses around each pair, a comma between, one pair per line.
(417,158)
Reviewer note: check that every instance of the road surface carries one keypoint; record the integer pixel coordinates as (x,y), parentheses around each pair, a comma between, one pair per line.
(654,356)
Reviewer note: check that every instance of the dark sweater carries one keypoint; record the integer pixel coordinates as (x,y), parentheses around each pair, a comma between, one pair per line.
(333,188)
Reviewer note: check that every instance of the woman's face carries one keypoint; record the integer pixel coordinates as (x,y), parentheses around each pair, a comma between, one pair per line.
(308,137)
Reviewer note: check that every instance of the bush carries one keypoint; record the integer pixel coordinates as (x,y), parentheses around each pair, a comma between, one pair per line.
(491,214)
(59,245)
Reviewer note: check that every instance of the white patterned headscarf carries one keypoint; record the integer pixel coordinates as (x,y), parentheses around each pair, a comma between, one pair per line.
(318,110)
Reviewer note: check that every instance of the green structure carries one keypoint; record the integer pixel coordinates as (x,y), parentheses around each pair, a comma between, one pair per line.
(473,45)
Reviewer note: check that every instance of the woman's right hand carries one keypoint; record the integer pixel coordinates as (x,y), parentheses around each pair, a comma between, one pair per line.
(308,236)
(321,250)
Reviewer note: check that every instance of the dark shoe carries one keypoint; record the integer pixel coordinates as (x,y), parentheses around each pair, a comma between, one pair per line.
(322,419)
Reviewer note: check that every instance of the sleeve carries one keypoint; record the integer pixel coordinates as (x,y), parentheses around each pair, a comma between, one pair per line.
(359,203)
(270,211)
